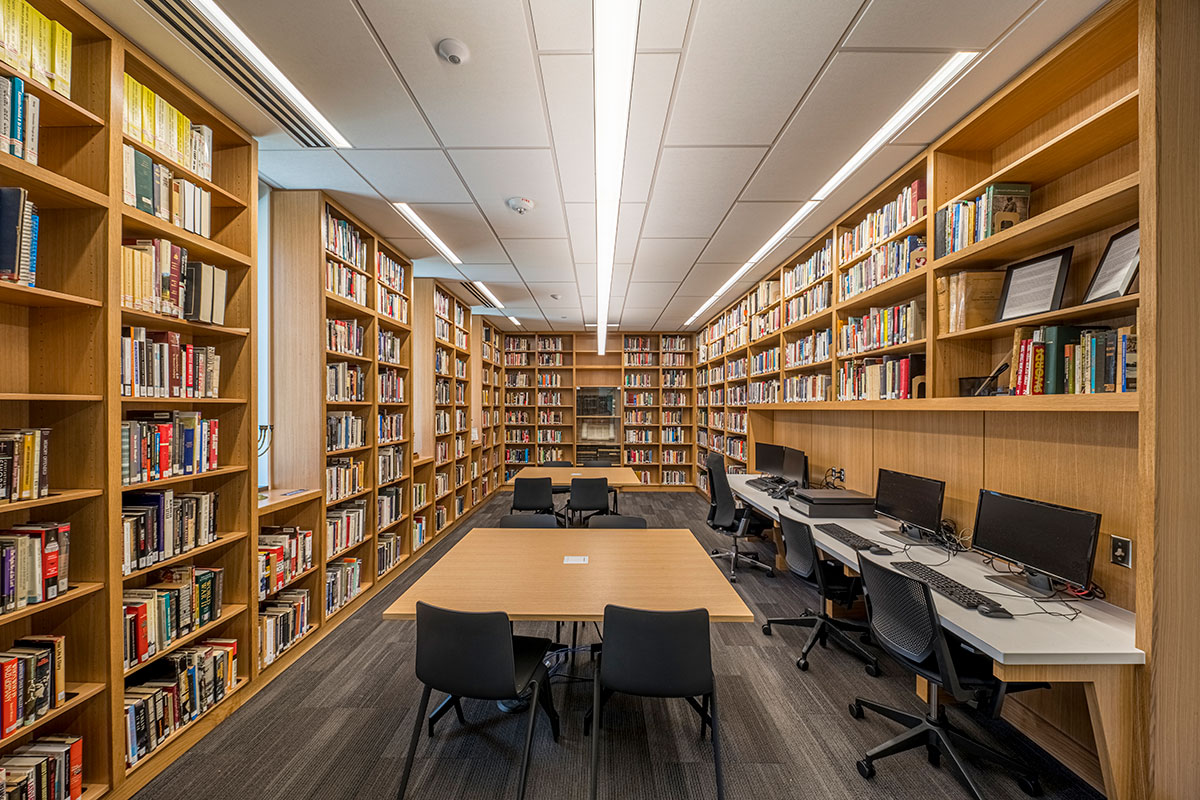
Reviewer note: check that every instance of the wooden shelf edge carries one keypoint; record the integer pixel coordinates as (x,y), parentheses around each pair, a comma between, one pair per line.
(223,539)
(150,485)
(278,499)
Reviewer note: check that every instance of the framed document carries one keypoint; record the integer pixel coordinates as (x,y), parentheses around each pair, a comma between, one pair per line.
(1118,267)
(1034,286)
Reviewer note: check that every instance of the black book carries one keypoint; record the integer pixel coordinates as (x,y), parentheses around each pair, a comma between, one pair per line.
(12,218)
(1110,361)
(38,690)
(8,451)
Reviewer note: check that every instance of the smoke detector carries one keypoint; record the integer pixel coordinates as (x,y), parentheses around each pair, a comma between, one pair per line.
(520,204)
(453,51)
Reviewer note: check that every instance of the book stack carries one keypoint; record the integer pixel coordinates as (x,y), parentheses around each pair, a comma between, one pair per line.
(968,299)
(156,445)
(882,327)
(1063,359)
(962,224)
(35,563)
(19,224)
(49,767)
(345,526)
(342,583)
(33,680)
(24,464)
(158,278)
(185,599)
(150,120)
(344,477)
(153,188)
(191,681)
(343,430)
(884,378)
(281,623)
(156,526)
(283,553)
(159,364)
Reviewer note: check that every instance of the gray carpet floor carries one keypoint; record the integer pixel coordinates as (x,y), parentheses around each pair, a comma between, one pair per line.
(336,724)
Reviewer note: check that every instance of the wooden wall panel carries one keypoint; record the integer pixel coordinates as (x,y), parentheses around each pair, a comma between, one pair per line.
(947,447)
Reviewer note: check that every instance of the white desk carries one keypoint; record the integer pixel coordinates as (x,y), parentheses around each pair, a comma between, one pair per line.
(1096,649)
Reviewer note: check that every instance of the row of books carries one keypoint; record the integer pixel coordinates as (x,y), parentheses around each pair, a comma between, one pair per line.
(389,551)
(343,581)
(551,436)
(638,379)
(676,457)
(441,304)
(156,445)
(148,118)
(185,599)
(640,436)
(765,294)
(550,343)
(34,563)
(345,336)
(882,327)
(675,344)
(884,378)
(811,349)
(24,464)
(158,278)
(19,226)
(1063,359)
(160,364)
(157,526)
(885,263)
(811,301)
(807,388)
(344,477)
(391,464)
(766,361)
(345,526)
(153,188)
(345,382)
(735,369)
(346,282)
(391,386)
(391,347)
(20,120)
(549,360)
(343,239)
(191,681)
(642,344)
(283,553)
(389,506)
(281,623)
(962,224)
(390,272)
(816,266)
(907,208)
(760,392)
(391,304)
(639,456)
(638,359)
(391,426)
(765,323)
(50,768)
(344,429)
(35,45)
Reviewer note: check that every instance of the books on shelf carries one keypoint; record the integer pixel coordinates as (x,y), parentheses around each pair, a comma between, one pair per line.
(811,349)
(1064,359)
(345,382)
(343,580)
(35,557)
(151,187)
(160,364)
(884,264)
(185,599)
(885,378)
(346,282)
(968,299)
(49,767)
(345,526)
(283,553)
(962,224)
(807,388)
(391,426)
(344,240)
(156,526)
(36,46)
(344,477)
(816,266)
(345,336)
(882,327)
(391,386)
(878,225)
(158,278)
(390,272)
(343,430)
(19,229)
(20,120)
(282,622)
(24,464)
(156,445)
(149,119)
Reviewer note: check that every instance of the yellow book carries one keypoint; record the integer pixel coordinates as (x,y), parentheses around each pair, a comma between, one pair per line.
(183,132)
(25,32)
(133,104)
(41,47)
(149,102)
(60,66)
(12,31)
(4,31)
(27,462)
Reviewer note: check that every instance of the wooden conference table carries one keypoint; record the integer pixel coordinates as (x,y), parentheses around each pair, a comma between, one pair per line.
(573,573)
(1096,649)
(618,477)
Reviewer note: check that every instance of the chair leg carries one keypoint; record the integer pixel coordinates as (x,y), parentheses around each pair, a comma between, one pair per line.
(707,718)
(451,702)
(957,766)
(701,709)
(593,778)
(533,704)
(911,739)
(980,750)
(412,744)
(852,646)
(894,714)
(716,741)
(605,696)
(546,699)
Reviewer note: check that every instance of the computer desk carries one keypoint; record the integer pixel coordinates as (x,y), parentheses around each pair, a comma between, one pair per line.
(1096,649)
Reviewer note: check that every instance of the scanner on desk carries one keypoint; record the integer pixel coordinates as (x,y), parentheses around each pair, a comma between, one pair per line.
(833,503)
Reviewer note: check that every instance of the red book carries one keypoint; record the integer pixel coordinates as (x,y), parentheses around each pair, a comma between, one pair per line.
(164,450)
(143,642)
(9,695)
(905,368)
(75,760)
(1037,358)
(1020,381)
(176,264)
(189,373)
(212,446)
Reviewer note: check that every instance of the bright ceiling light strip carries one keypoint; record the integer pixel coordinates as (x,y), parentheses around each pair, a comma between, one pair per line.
(213,13)
(931,88)
(415,220)
(481,286)
(514,320)
(614,43)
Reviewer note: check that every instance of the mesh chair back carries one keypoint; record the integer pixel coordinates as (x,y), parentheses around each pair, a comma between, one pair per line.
(533,494)
(656,653)
(723,511)
(599,462)
(557,464)
(529,521)
(616,521)
(802,558)
(588,494)
(902,615)
(466,654)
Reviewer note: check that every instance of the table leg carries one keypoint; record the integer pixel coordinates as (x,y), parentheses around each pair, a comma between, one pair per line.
(780,549)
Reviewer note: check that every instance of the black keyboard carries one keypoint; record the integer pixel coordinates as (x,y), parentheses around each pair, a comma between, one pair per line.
(844,536)
(963,595)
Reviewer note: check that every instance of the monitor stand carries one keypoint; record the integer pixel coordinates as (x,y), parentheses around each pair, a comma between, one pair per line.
(1031,584)
(909,535)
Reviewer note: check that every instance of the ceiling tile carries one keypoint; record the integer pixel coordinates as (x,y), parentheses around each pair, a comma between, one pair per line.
(822,137)
(875,171)
(704,279)
(649,295)
(568,296)
(585,275)
(378,215)
(629,227)
(662,24)
(540,259)
(492,99)
(653,79)
(435,267)
(568,84)
(934,23)
(512,295)
(490,273)
(665,259)
(496,175)
(746,228)
(747,64)
(695,187)
(312,169)
(562,24)
(409,176)
(581,221)
(463,229)
(413,248)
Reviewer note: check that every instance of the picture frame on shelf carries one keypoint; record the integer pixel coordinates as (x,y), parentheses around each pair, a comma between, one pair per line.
(1034,286)
(1118,267)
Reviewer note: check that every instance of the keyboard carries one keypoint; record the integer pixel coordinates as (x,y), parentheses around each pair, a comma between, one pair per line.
(963,595)
(844,536)
(764,484)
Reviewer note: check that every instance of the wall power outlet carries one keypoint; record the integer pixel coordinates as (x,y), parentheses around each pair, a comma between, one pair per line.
(1122,551)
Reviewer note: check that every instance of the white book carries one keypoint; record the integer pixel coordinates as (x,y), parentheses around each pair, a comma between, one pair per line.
(206,214)
(217,316)
(129,179)
(33,106)
(5,113)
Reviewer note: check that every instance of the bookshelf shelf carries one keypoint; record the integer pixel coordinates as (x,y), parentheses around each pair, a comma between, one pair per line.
(48,398)
(138,223)
(56,110)
(281,499)
(897,289)
(337,304)
(183,402)
(334,355)
(903,347)
(175,736)
(37,297)
(77,695)
(198,329)
(223,540)
(177,479)
(1118,402)
(228,612)
(75,591)
(292,581)
(1103,309)
(54,498)
(47,189)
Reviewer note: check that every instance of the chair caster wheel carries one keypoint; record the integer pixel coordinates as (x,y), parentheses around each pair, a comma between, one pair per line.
(856,711)
(866,769)
(714,551)
(733,579)
(802,664)
(934,756)
(766,629)
(872,670)
(1030,786)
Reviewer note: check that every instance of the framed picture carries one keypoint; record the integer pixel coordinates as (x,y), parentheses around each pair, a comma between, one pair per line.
(1118,267)
(1034,286)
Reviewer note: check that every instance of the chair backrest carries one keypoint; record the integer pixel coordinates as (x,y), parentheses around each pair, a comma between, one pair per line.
(557,464)
(465,653)
(656,653)
(599,462)
(533,494)
(723,511)
(802,557)
(588,494)
(616,521)
(529,521)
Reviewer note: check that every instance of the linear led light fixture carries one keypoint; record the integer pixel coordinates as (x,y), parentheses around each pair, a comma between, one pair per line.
(415,220)
(614,44)
(481,286)
(920,99)
(219,19)
(514,321)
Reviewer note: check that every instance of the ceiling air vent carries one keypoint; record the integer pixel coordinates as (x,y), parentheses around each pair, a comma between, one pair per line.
(212,44)
(479,296)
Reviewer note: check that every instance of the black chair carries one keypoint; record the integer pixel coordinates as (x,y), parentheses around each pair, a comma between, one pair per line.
(599,462)
(529,521)
(533,494)
(589,497)
(725,517)
(616,521)
(475,655)
(656,654)
(559,489)
(831,583)
(905,623)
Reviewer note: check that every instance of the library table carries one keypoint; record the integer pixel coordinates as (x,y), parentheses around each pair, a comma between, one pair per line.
(618,477)
(572,574)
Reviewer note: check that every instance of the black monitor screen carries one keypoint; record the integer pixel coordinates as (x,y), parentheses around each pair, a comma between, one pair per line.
(910,498)
(768,458)
(1054,540)
(795,465)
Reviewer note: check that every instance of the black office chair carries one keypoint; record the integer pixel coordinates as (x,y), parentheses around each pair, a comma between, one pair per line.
(905,623)
(475,655)
(529,521)
(589,497)
(725,517)
(533,494)
(656,654)
(831,582)
(617,521)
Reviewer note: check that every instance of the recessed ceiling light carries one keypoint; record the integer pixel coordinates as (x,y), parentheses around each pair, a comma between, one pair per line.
(481,286)
(415,220)
(514,320)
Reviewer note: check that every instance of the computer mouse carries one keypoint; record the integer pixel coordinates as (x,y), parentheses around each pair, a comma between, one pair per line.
(880,550)
(995,611)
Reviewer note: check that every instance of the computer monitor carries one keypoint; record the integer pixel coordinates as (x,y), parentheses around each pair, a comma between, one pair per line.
(768,458)
(1047,540)
(913,501)
(795,466)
